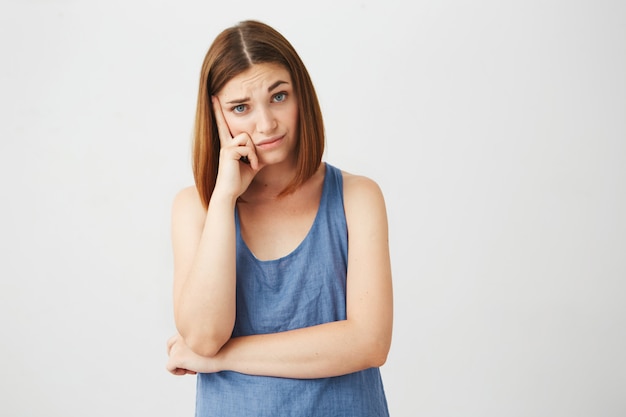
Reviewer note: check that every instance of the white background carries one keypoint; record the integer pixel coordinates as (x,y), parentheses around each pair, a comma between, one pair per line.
(496,129)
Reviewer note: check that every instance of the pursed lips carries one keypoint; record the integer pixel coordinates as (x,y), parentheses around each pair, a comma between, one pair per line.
(269,141)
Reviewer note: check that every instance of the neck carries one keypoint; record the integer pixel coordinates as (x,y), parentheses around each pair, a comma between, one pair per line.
(270,182)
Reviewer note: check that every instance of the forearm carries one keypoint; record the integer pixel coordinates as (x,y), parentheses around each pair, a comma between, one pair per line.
(205,301)
(325,350)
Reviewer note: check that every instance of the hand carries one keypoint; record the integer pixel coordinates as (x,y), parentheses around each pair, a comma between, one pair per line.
(234,175)
(183,361)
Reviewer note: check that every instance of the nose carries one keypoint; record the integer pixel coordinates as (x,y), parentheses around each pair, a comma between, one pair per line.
(266,122)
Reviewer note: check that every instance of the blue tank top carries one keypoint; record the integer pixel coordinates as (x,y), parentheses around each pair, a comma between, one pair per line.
(304,288)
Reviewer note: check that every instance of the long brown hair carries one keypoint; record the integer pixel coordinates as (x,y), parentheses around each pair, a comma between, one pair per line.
(233,51)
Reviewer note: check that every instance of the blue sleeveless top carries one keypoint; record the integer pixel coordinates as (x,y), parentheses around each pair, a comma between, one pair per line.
(304,288)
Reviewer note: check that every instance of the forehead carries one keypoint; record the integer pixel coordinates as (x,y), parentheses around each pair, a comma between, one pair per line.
(257,78)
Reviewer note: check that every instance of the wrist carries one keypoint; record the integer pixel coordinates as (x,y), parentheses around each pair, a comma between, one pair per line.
(219,362)
(209,364)
(221,198)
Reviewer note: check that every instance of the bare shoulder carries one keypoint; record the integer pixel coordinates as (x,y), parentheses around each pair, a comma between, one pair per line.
(187,205)
(362,196)
(360,189)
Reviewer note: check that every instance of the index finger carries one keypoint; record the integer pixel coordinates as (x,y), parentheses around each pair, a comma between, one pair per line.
(222,127)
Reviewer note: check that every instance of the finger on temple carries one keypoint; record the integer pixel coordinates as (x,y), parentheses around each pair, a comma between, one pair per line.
(220,121)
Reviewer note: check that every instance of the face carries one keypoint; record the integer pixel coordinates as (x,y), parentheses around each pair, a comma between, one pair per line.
(261,102)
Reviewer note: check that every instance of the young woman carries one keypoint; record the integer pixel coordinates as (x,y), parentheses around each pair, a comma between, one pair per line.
(282,276)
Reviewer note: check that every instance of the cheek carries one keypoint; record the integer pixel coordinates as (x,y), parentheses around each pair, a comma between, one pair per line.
(293,115)
(236,125)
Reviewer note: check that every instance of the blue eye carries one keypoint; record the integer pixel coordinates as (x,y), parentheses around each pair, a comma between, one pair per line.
(239,108)
(280,97)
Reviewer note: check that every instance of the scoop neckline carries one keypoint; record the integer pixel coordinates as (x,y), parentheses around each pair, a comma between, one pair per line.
(298,248)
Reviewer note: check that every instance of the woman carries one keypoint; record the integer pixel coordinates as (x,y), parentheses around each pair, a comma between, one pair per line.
(282,277)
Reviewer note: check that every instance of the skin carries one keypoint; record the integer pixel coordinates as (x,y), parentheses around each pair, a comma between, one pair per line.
(257,117)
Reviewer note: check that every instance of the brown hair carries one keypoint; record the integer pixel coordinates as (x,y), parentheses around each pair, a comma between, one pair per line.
(233,51)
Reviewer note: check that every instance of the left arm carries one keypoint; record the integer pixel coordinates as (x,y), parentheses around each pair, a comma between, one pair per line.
(337,348)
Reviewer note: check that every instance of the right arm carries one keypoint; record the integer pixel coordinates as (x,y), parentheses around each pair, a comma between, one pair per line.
(204,248)
(204,270)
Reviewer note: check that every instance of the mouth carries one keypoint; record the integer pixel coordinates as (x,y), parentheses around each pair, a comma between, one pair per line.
(269,142)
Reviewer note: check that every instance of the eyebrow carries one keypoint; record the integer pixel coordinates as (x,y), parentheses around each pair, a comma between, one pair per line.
(269,89)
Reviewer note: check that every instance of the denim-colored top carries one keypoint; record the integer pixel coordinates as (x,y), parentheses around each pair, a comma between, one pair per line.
(302,289)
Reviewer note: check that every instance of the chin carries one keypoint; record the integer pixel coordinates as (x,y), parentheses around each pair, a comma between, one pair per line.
(276,159)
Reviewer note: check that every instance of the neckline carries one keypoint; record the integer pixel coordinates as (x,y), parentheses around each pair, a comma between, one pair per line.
(306,238)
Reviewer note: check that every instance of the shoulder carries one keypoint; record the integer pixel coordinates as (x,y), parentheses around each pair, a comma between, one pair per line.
(359,188)
(362,196)
(187,205)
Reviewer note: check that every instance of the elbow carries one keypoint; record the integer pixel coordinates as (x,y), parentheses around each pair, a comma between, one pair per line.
(204,340)
(378,357)
(377,351)
(205,345)
(379,360)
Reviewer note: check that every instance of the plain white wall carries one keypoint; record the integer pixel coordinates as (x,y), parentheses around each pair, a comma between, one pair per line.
(496,130)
